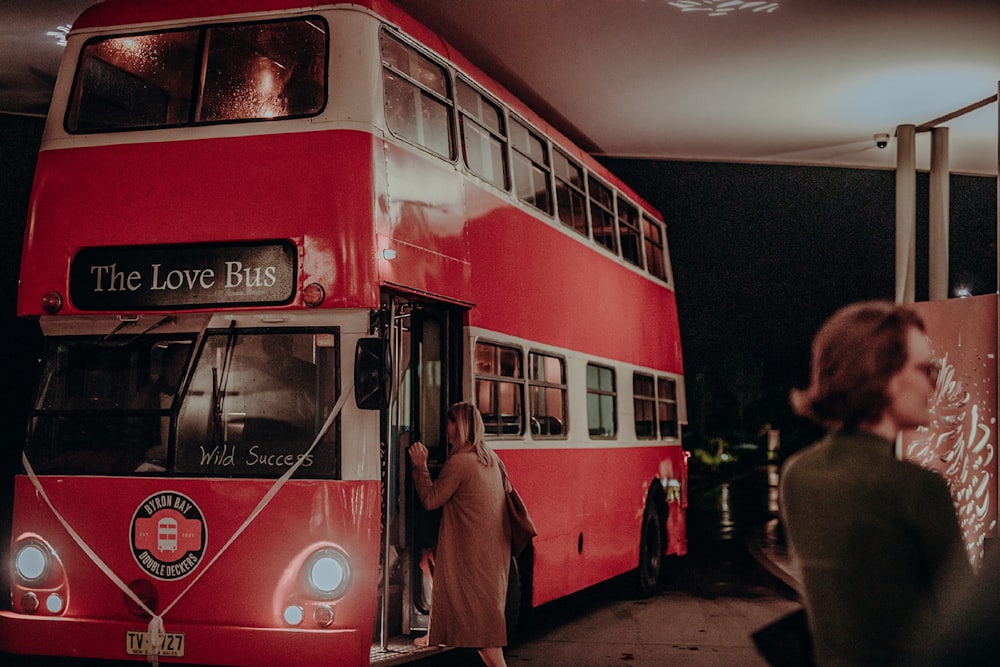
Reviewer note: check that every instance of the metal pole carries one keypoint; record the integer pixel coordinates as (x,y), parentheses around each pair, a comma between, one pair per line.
(938,200)
(996,483)
(996,285)
(906,213)
(923,127)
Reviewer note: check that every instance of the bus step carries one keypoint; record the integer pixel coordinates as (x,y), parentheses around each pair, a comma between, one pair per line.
(401,650)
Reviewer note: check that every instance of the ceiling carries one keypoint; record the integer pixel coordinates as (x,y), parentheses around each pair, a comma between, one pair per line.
(797,82)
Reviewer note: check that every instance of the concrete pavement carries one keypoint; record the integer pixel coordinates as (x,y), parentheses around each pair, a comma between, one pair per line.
(711,602)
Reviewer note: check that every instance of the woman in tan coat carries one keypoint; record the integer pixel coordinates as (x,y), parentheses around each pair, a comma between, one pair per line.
(472,557)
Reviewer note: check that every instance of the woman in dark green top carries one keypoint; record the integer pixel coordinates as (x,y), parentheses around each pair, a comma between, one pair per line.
(875,537)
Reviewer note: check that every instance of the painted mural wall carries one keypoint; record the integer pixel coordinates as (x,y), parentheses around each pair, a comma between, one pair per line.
(961,441)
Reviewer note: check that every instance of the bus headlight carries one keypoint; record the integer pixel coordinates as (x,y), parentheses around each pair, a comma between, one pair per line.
(38,581)
(32,563)
(328,573)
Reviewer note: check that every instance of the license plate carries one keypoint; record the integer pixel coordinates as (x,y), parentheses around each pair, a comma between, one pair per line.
(172,645)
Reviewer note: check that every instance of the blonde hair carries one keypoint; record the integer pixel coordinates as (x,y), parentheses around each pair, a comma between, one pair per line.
(471,430)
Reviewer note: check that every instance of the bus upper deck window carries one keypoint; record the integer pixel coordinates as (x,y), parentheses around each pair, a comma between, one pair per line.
(138,81)
(265,70)
(235,72)
(417,98)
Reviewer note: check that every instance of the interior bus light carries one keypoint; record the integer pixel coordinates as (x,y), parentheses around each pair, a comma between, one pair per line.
(32,563)
(328,573)
(52,302)
(313,294)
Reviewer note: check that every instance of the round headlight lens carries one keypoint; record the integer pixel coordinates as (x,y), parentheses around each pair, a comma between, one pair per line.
(32,563)
(328,573)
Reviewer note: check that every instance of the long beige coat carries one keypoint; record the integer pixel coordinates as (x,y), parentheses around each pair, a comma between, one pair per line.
(472,557)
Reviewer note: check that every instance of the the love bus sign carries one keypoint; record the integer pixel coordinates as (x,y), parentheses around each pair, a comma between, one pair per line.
(183,276)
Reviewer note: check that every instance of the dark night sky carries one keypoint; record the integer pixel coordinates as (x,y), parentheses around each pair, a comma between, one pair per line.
(761,255)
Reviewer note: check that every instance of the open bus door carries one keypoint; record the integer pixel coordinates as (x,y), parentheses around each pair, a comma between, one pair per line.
(424,341)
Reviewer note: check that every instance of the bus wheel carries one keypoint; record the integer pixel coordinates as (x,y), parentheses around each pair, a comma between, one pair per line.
(650,551)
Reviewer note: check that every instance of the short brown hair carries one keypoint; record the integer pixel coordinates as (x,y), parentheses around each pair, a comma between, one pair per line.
(854,355)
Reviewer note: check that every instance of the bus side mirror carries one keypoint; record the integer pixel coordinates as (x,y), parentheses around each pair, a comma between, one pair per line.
(371,374)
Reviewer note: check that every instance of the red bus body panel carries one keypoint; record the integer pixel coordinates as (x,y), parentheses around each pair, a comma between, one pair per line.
(227,615)
(527,278)
(583,539)
(201,191)
(331,218)
(531,281)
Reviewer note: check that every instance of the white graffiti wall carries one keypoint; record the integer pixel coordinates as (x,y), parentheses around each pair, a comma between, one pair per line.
(961,441)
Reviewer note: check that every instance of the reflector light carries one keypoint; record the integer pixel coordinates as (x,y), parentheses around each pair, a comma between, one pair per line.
(323,616)
(29,603)
(328,573)
(32,563)
(313,294)
(293,614)
(52,302)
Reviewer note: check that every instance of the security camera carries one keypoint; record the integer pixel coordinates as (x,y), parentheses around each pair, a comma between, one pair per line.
(882,140)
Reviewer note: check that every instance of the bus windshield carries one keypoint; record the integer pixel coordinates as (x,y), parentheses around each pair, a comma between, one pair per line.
(251,405)
(210,74)
(104,403)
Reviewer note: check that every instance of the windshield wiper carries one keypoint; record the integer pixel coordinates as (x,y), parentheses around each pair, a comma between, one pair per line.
(155,325)
(124,321)
(220,380)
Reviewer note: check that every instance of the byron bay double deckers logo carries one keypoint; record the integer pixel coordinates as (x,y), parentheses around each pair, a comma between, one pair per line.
(168,535)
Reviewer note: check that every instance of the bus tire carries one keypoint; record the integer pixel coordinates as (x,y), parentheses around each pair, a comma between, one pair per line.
(651,548)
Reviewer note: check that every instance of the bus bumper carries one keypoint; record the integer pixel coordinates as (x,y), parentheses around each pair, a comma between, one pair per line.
(203,645)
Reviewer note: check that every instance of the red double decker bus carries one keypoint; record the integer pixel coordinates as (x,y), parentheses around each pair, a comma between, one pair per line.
(269,242)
